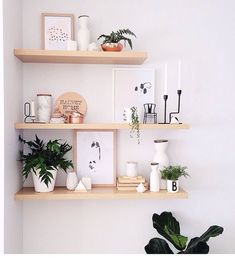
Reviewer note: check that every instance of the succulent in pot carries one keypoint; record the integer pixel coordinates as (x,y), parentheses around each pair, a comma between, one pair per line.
(111,42)
(43,160)
(172,175)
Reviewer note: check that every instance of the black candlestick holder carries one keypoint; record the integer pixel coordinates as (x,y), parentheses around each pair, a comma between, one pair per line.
(179,92)
(165,97)
(27,114)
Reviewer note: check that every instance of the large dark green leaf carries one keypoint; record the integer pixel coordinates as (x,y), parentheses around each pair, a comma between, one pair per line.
(157,246)
(167,226)
(212,231)
(197,247)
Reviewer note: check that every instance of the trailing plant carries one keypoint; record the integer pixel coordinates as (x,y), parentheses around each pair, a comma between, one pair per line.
(168,227)
(173,172)
(135,124)
(115,37)
(44,157)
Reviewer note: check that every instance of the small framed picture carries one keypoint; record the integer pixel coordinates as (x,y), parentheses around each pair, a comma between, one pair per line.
(132,87)
(95,156)
(56,30)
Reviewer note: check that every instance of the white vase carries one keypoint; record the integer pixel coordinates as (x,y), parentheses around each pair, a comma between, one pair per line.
(161,158)
(172,186)
(71,181)
(44,107)
(41,187)
(131,169)
(83,33)
(154,178)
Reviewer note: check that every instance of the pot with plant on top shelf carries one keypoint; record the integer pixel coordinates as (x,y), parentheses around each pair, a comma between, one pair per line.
(172,175)
(111,42)
(43,160)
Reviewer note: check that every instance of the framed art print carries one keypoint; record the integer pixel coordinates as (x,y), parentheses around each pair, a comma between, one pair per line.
(56,30)
(95,156)
(132,87)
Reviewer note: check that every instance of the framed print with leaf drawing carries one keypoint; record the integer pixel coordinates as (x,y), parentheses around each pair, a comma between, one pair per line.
(95,156)
(56,30)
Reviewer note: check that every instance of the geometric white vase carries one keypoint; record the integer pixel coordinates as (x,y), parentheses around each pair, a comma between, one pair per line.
(71,181)
(41,187)
(161,158)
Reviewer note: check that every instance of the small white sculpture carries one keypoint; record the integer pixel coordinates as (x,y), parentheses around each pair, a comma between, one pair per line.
(86,182)
(174,120)
(71,45)
(93,47)
(80,187)
(141,188)
(72,180)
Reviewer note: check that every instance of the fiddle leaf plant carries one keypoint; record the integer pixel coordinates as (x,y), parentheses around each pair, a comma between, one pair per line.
(44,157)
(115,37)
(168,227)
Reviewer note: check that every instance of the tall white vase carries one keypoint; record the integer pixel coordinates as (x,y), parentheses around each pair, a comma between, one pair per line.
(154,178)
(83,33)
(161,157)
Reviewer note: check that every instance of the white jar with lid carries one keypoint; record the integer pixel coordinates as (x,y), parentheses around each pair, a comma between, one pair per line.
(131,169)
(44,107)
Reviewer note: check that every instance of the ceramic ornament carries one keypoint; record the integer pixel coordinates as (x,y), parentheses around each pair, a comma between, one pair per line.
(80,187)
(86,182)
(174,120)
(93,47)
(141,188)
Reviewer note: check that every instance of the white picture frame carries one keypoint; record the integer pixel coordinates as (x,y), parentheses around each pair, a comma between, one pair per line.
(125,95)
(57,28)
(95,156)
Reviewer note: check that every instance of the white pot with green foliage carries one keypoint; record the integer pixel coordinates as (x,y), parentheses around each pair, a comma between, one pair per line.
(43,160)
(172,175)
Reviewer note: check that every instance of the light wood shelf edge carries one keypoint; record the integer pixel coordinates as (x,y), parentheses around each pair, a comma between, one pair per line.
(98,126)
(80,57)
(61,193)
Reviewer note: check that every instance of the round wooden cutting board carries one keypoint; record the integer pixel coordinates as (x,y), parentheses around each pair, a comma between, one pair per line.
(70,102)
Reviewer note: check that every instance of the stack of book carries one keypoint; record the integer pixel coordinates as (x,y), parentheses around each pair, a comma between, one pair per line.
(125,183)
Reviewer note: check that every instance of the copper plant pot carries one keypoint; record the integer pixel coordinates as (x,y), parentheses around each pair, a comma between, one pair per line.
(115,47)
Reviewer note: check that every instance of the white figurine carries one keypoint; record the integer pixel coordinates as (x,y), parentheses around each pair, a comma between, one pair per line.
(80,187)
(93,47)
(141,188)
(174,120)
(86,182)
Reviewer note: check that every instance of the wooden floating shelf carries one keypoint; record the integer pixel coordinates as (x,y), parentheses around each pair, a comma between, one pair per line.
(101,126)
(80,57)
(61,193)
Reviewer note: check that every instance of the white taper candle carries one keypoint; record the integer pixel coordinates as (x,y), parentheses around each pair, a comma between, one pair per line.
(179,75)
(165,81)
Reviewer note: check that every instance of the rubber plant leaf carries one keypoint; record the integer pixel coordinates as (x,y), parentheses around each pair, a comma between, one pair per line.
(212,231)
(197,247)
(157,246)
(167,226)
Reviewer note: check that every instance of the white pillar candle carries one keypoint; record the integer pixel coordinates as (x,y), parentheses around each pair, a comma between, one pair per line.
(179,75)
(165,81)
(32,108)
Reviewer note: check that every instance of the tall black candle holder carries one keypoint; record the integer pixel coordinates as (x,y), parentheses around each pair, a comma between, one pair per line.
(179,92)
(165,97)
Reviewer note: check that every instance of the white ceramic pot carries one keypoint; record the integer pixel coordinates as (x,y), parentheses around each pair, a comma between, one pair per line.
(44,107)
(41,187)
(172,186)
(161,158)
(131,169)
(71,181)
(154,178)
(83,33)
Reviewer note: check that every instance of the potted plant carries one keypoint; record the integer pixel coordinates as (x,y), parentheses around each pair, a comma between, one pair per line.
(135,124)
(168,227)
(111,42)
(43,160)
(172,175)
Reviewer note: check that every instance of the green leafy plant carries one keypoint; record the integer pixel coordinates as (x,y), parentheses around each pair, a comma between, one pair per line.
(115,37)
(168,227)
(135,124)
(173,172)
(44,157)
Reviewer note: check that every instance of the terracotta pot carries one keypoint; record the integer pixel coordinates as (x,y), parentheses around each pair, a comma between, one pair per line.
(116,47)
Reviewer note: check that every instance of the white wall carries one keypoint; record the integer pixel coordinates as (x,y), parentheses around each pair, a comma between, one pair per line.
(12,25)
(199,32)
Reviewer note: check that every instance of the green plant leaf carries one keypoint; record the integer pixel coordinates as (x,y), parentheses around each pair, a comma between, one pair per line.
(167,226)
(212,231)
(157,246)
(197,247)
